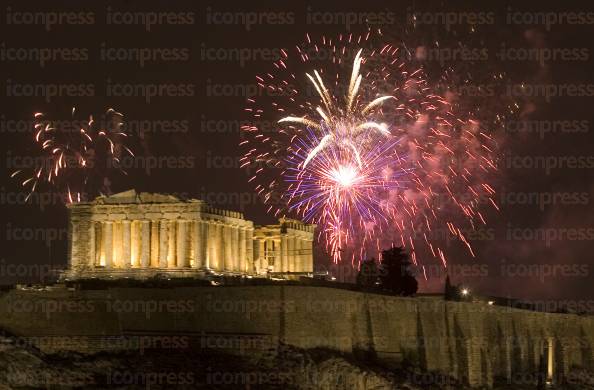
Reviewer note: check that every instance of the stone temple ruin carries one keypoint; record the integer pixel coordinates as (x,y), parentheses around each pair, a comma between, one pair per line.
(142,235)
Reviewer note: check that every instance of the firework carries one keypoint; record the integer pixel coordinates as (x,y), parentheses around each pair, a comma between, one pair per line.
(341,185)
(74,157)
(364,147)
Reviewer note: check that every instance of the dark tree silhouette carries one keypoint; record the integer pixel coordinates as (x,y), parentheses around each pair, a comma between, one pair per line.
(451,293)
(395,273)
(368,274)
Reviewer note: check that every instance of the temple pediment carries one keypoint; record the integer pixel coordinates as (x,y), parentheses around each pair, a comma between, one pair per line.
(131,196)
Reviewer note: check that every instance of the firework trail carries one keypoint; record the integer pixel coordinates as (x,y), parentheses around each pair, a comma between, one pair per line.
(341,184)
(68,154)
(367,149)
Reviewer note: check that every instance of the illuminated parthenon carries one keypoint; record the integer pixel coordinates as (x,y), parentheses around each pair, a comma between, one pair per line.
(142,235)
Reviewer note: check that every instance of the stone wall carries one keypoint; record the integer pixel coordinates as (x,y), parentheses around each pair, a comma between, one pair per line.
(475,343)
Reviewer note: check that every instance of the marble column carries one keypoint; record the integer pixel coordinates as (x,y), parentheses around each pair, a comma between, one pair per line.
(211,230)
(163,243)
(256,253)
(291,252)
(107,244)
(308,256)
(145,244)
(181,240)
(249,247)
(296,253)
(92,248)
(171,249)
(220,260)
(126,244)
(277,255)
(197,244)
(73,241)
(302,255)
(98,242)
(284,266)
(262,264)
(235,248)
(135,243)
(155,243)
(117,244)
(228,240)
(203,249)
(243,250)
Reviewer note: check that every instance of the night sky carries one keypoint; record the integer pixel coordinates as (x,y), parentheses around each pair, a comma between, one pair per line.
(538,246)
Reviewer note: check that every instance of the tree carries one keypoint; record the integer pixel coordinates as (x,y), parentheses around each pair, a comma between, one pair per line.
(368,273)
(451,292)
(395,272)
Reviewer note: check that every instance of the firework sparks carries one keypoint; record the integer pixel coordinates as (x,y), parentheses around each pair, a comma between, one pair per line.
(375,155)
(67,156)
(343,186)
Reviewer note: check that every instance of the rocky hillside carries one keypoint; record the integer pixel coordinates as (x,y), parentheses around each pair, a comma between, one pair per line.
(284,368)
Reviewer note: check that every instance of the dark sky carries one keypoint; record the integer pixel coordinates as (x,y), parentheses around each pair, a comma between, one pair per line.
(539,246)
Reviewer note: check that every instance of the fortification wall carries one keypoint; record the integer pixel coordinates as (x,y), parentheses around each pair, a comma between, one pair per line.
(475,343)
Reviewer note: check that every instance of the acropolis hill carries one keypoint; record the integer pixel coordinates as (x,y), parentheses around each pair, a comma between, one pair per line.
(476,344)
(137,237)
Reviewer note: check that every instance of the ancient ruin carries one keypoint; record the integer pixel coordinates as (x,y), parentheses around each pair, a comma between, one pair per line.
(141,235)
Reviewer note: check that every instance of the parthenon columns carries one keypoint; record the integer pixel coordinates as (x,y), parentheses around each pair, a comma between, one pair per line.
(145,244)
(220,258)
(242,257)
(227,248)
(195,244)
(144,232)
(199,247)
(291,252)
(249,255)
(163,243)
(211,247)
(277,256)
(284,254)
(258,256)
(126,244)
(107,241)
(155,243)
(171,247)
(142,243)
(182,259)
(235,248)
